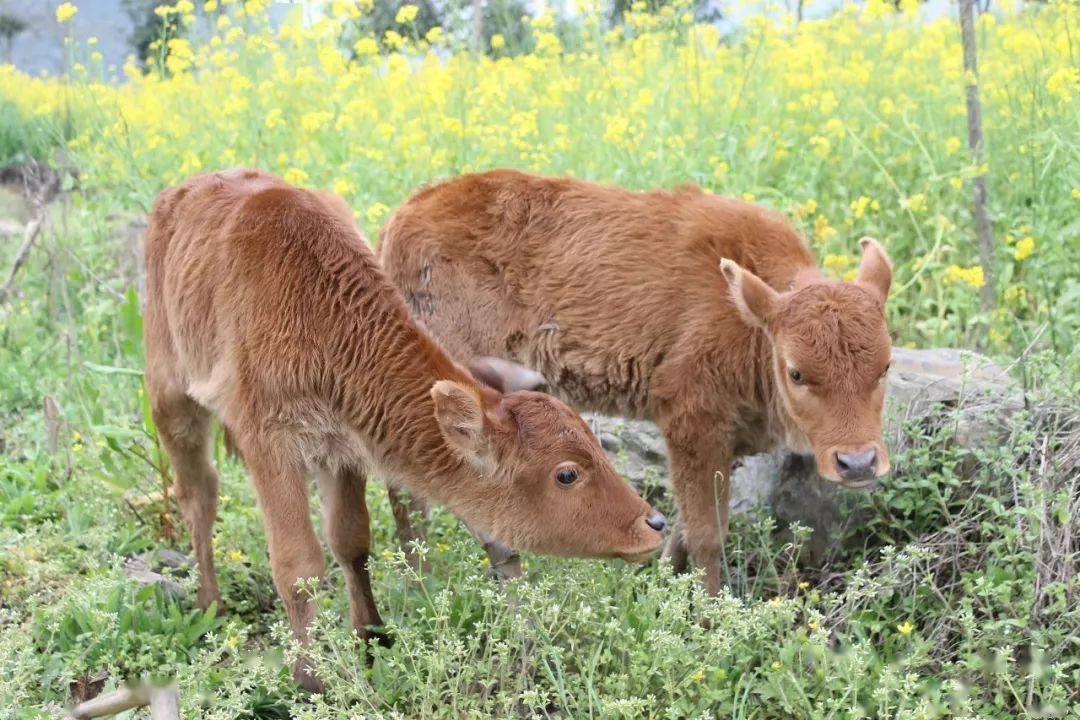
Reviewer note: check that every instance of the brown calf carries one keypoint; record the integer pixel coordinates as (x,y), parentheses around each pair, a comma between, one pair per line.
(266,307)
(705,314)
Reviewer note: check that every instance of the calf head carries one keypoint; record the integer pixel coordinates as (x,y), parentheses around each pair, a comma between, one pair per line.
(831,351)
(544,482)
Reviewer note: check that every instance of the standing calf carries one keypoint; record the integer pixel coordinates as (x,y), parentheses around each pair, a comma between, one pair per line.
(266,307)
(707,315)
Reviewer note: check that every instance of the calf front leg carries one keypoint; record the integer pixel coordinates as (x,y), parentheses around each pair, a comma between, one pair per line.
(700,475)
(348,533)
(295,553)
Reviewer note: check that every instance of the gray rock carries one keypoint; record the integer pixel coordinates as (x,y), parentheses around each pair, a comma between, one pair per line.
(138,569)
(166,558)
(967,388)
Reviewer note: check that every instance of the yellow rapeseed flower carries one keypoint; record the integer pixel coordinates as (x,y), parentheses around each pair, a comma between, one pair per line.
(406,14)
(915,203)
(393,40)
(548,44)
(65,12)
(365,46)
(905,628)
(1063,83)
(376,212)
(1024,247)
(953,145)
(821,146)
(295,176)
(498,42)
(972,276)
(313,121)
(858,207)
(1016,293)
(837,263)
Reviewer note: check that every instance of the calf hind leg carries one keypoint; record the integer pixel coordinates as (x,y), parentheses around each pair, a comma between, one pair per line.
(184,428)
(402,507)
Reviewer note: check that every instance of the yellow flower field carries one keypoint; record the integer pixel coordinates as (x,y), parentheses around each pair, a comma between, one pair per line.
(854,124)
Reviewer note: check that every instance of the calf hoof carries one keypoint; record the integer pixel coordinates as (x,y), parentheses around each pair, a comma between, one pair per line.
(367,634)
(304,676)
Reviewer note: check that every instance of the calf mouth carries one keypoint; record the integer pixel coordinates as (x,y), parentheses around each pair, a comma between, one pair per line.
(650,548)
(870,483)
(638,558)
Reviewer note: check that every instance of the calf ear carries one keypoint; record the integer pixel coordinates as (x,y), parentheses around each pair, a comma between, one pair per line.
(875,271)
(460,414)
(754,299)
(506,376)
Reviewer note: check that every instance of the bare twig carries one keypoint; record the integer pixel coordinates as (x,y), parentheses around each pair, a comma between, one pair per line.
(477,25)
(33,228)
(55,427)
(975,145)
(164,703)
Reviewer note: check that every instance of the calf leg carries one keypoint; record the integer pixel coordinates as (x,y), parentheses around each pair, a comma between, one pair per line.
(675,548)
(184,428)
(700,475)
(402,506)
(295,552)
(348,533)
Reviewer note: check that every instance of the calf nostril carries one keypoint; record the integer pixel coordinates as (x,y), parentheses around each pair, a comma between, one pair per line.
(857,464)
(656,521)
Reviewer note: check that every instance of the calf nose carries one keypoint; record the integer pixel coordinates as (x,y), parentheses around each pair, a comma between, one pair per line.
(657,521)
(856,465)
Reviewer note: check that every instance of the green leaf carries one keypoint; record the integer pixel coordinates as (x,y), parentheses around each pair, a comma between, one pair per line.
(111,369)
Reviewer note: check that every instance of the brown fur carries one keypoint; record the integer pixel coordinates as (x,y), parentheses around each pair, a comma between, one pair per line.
(266,307)
(619,301)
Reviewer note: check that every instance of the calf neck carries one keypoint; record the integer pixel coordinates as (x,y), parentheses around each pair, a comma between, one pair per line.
(266,307)
(707,315)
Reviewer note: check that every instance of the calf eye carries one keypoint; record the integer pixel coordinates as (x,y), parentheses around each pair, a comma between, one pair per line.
(886,370)
(566,476)
(796,376)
